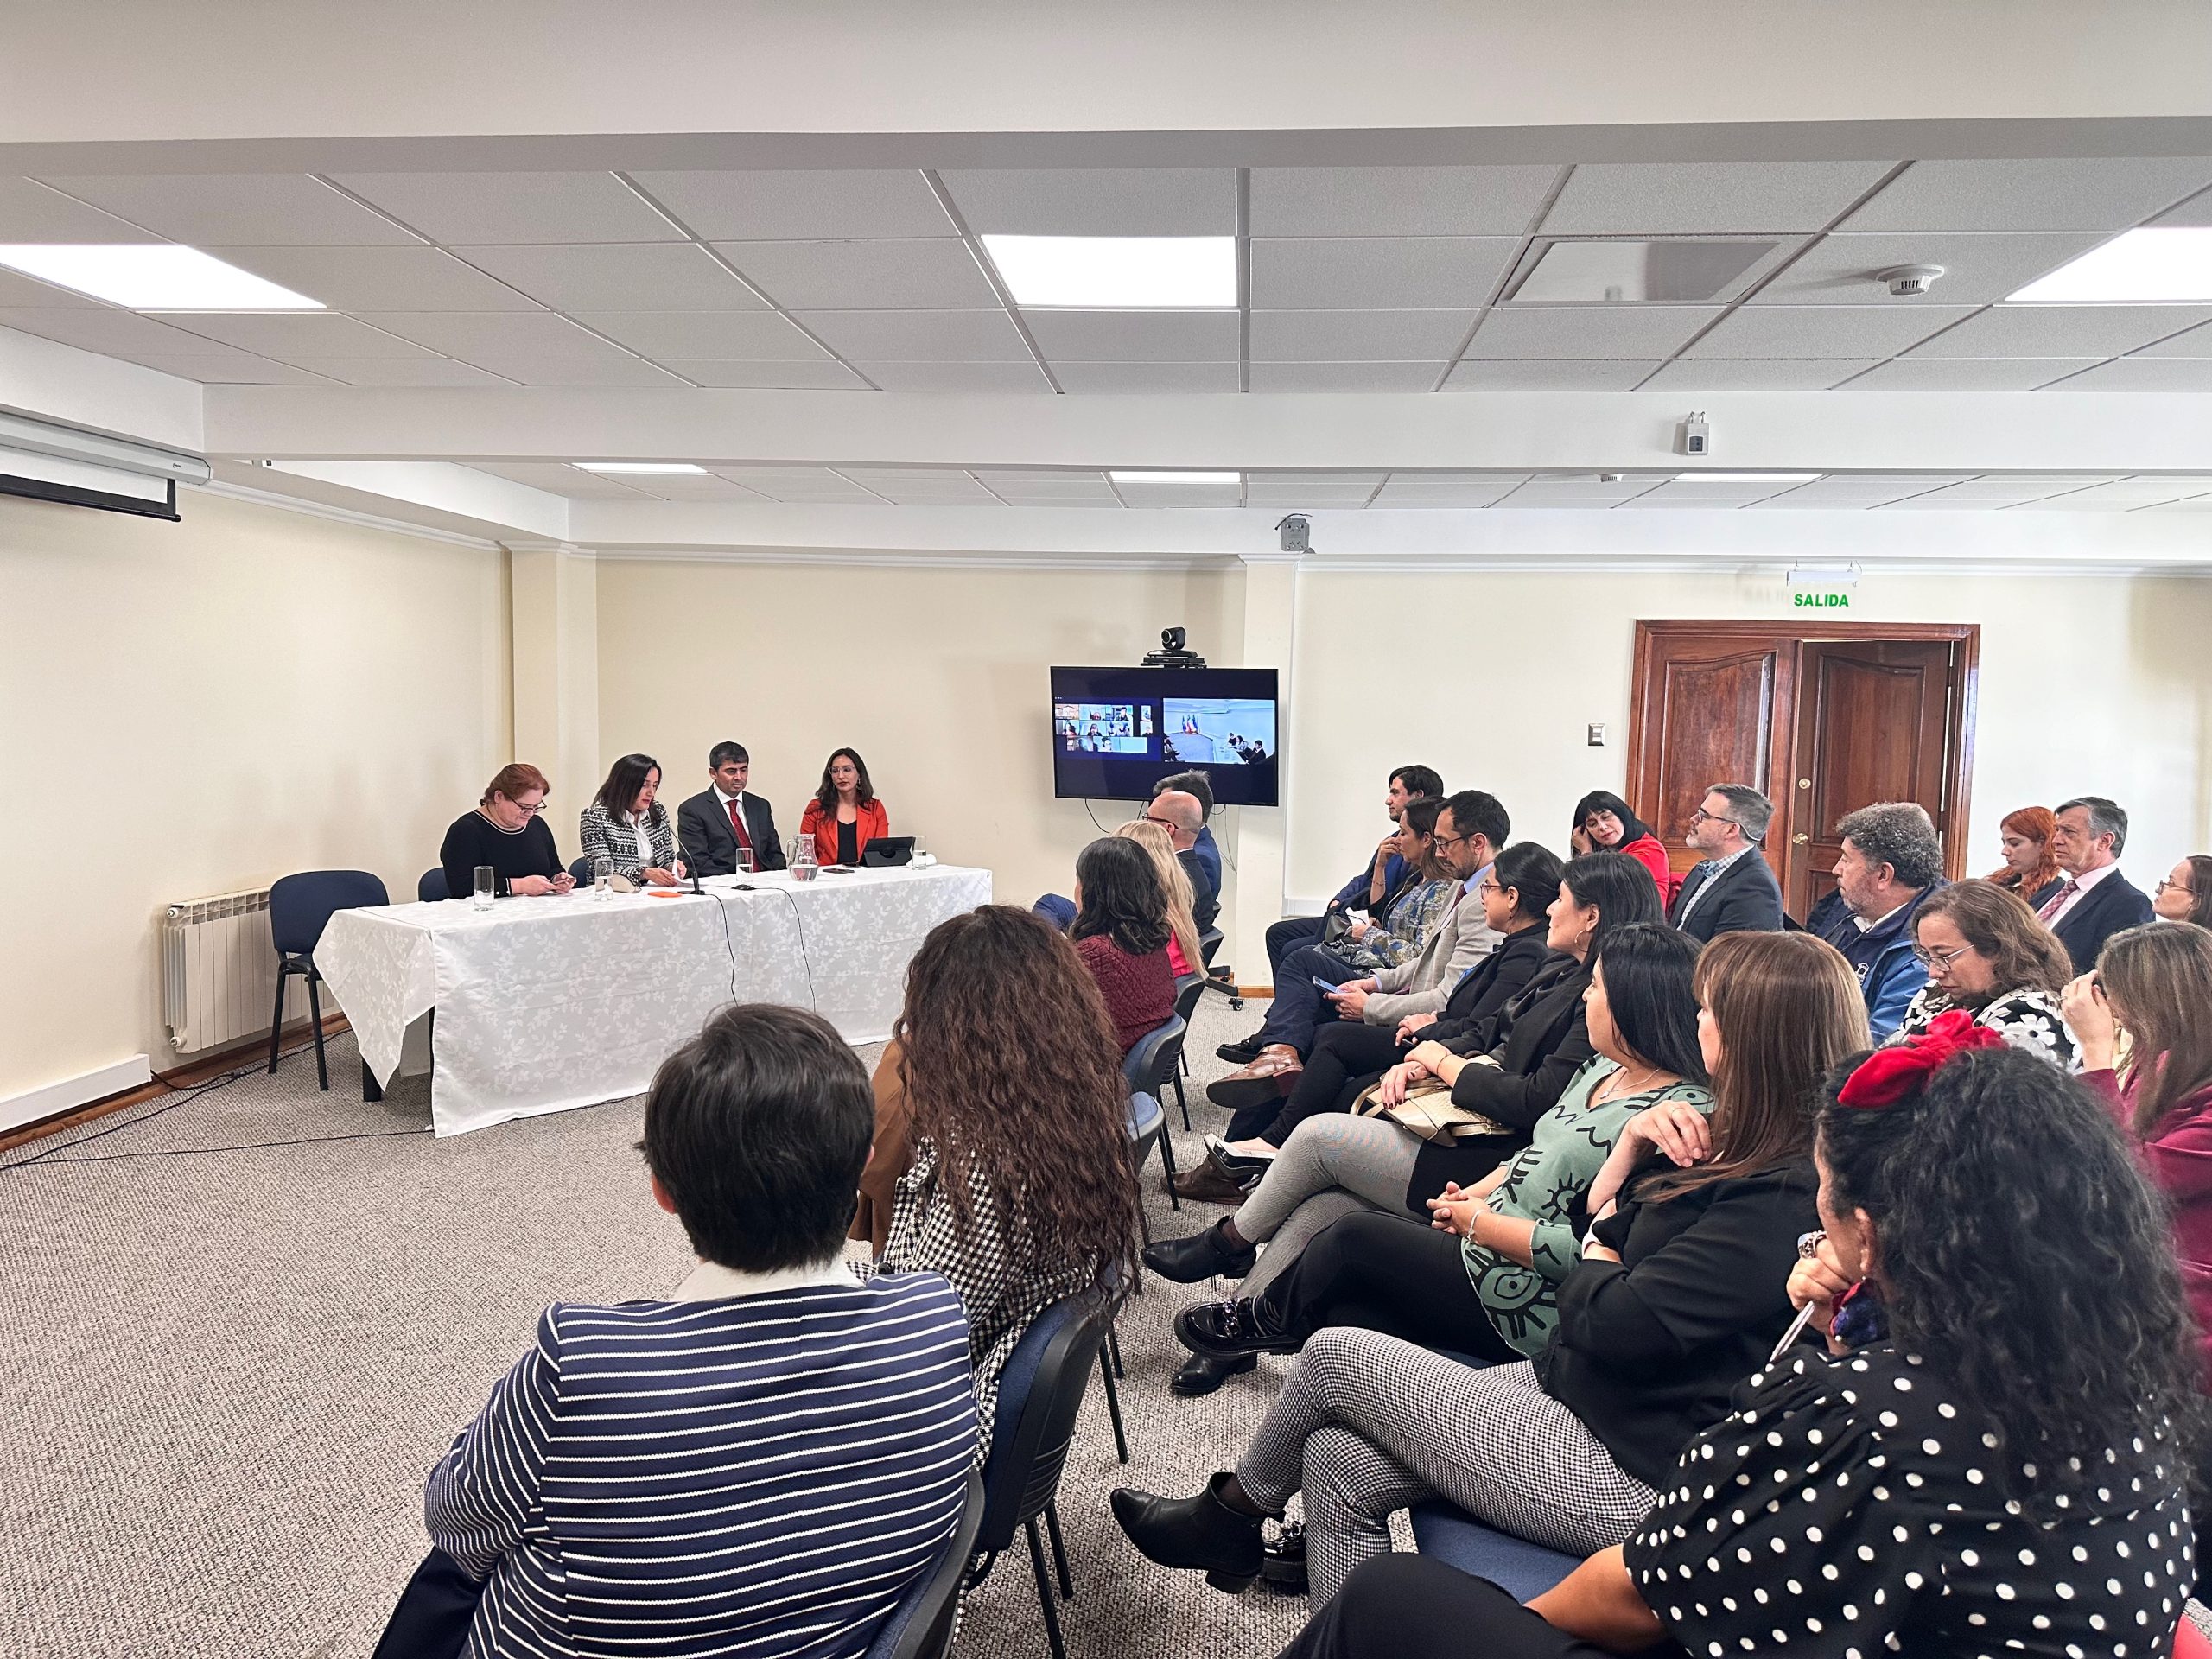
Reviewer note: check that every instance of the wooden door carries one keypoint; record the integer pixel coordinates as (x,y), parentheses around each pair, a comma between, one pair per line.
(1821,723)
(1872,715)
(1708,708)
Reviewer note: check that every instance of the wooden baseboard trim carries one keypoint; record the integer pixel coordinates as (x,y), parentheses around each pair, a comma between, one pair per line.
(172,1082)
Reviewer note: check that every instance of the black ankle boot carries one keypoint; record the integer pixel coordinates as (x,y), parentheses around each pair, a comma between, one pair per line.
(1199,1531)
(1188,1261)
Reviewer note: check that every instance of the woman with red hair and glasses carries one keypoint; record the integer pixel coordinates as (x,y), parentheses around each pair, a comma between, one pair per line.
(2029,868)
(1986,1452)
(508,833)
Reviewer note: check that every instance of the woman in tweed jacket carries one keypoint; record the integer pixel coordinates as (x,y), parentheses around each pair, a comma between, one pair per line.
(624,823)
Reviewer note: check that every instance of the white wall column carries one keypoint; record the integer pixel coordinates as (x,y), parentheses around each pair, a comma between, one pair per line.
(1254,896)
(556,621)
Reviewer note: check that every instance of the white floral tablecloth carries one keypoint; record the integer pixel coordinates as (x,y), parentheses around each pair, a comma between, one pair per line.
(543,1004)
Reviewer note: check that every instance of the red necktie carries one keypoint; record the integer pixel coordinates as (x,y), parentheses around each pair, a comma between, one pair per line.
(737,826)
(2057,902)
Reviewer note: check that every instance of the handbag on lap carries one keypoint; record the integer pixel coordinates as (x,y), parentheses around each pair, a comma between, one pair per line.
(1427,1113)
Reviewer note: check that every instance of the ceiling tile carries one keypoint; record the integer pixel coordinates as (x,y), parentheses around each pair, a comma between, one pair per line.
(1860,490)
(1373,273)
(810,484)
(1979,268)
(1675,493)
(401,372)
(1594,330)
(102,328)
(1135,336)
(214,365)
(1048,488)
(379,279)
(1580,490)
(687,487)
(2007,489)
(920,336)
(955,377)
(866,275)
(29,211)
(1397,200)
(795,204)
(559,479)
(1823,330)
(2062,330)
(292,335)
(1967,373)
(25,293)
(760,336)
(922,487)
(1276,496)
(1351,336)
(1097,201)
(618,277)
(2197,211)
(480,207)
(1075,375)
(2122,494)
(2146,374)
(823,374)
(1547,374)
(2048,195)
(1756,374)
(534,347)
(2195,342)
(1693,197)
(280,209)
(1346,376)
(1446,489)
(616,369)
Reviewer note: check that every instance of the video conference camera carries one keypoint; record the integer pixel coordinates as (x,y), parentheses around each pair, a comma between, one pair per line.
(1171,653)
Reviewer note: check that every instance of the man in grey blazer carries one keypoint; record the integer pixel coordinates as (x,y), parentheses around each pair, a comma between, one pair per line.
(1732,890)
(710,820)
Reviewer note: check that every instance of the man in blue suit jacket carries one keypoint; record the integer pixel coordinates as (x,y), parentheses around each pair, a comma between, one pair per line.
(1732,890)
(2095,901)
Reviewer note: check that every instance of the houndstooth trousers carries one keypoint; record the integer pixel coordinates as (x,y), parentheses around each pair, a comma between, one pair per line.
(1367,1424)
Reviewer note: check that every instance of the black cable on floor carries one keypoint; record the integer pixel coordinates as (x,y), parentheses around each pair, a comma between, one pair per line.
(251,1146)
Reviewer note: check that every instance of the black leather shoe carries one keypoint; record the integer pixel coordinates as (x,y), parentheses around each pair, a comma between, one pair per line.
(1282,1562)
(1190,1261)
(1229,1331)
(1200,1532)
(1209,1184)
(1245,1050)
(1237,1166)
(1195,1376)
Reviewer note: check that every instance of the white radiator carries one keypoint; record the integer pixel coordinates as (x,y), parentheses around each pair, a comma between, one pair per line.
(218,971)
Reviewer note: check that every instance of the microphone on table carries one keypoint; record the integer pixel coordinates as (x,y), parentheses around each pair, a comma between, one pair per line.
(691,866)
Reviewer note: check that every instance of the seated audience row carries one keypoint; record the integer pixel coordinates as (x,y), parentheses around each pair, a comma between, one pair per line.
(1375,885)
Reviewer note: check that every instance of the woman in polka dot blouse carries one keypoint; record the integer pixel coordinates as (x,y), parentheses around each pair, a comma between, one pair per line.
(1991,1470)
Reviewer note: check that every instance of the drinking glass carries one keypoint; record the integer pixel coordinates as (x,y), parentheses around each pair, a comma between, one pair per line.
(744,862)
(602,877)
(487,886)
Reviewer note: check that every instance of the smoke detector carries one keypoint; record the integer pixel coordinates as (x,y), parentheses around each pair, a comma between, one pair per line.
(1905,281)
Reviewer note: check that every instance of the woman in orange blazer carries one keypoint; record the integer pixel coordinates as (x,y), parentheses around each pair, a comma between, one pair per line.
(845,815)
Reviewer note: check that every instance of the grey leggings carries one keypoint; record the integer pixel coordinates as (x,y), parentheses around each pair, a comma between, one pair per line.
(1333,1165)
(1365,1424)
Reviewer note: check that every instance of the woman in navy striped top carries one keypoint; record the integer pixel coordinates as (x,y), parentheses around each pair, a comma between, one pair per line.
(762,1465)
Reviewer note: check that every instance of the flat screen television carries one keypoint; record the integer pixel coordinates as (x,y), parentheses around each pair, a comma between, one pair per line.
(1117,731)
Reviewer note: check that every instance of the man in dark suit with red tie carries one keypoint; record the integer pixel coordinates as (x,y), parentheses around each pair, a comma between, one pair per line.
(2095,901)
(723,818)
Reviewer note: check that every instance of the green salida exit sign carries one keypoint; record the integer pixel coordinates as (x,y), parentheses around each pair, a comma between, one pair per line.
(1829,599)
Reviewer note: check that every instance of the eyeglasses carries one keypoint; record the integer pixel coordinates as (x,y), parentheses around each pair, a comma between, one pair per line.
(1703,816)
(1942,959)
(2165,886)
(1486,886)
(1442,840)
(1166,823)
(528,812)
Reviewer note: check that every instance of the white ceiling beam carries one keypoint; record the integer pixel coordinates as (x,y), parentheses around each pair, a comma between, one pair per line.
(1922,432)
(50,381)
(130,72)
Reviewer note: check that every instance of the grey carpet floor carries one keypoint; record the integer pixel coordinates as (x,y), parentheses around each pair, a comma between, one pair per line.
(226,1366)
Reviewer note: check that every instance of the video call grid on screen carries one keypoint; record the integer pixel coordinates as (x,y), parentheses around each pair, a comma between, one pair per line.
(1117,731)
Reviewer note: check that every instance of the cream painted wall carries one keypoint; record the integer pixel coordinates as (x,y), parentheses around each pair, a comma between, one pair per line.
(2089,685)
(193,707)
(936,675)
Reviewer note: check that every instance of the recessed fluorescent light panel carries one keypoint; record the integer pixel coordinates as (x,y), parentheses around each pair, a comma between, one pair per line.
(1118,273)
(1625,272)
(2170,266)
(1175,477)
(1746,478)
(151,276)
(649,466)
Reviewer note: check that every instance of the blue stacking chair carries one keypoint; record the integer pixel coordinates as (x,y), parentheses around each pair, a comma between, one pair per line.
(920,1626)
(1514,1565)
(431,889)
(1040,1392)
(299,907)
(1149,1066)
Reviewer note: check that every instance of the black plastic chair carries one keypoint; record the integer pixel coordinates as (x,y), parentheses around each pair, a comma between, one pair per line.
(1188,991)
(431,889)
(1040,1392)
(299,907)
(1209,947)
(1149,1066)
(920,1626)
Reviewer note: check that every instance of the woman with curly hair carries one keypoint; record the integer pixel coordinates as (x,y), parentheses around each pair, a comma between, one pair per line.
(1985,1456)
(1017,1185)
(2029,869)
(1987,953)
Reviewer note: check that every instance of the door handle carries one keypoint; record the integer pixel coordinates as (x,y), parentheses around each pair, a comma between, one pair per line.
(1799,839)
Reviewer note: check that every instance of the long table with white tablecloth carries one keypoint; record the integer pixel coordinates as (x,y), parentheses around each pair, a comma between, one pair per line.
(542,1004)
